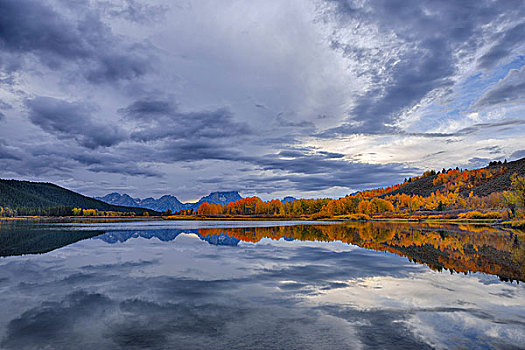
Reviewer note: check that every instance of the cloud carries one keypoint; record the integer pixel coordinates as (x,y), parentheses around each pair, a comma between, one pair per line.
(126,169)
(510,89)
(487,126)
(518,154)
(7,152)
(138,294)
(429,68)
(267,96)
(112,307)
(382,324)
(492,149)
(416,56)
(160,119)
(53,323)
(510,39)
(478,162)
(73,120)
(346,129)
(170,135)
(134,11)
(37,30)
(4,106)
(315,171)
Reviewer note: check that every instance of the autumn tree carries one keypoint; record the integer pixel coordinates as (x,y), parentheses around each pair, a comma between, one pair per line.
(378,205)
(516,197)
(364,207)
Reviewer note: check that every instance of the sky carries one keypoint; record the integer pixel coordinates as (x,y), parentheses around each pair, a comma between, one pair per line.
(310,98)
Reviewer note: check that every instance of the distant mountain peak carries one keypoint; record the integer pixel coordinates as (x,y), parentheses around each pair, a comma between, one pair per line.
(222,197)
(168,201)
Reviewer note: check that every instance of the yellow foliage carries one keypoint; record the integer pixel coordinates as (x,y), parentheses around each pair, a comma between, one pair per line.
(478,215)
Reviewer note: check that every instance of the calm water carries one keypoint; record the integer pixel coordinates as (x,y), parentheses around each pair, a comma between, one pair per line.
(235,285)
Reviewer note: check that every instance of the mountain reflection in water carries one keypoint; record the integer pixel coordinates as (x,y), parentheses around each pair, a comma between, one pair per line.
(238,285)
(457,248)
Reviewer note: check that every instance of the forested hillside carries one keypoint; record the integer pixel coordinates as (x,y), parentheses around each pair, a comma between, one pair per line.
(481,182)
(454,191)
(39,198)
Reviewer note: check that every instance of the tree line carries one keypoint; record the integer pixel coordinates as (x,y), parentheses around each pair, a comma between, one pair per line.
(454,184)
(62,211)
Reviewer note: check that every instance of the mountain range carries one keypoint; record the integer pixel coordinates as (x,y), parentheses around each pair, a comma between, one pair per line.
(41,198)
(168,201)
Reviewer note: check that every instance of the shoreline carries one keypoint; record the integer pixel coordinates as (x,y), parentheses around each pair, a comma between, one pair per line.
(480,222)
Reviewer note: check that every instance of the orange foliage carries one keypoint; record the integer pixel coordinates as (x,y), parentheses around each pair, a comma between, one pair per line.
(462,248)
(451,195)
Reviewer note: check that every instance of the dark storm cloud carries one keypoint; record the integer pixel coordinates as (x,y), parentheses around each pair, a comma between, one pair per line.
(188,150)
(330,155)
(509,40)
(134,11)
(492,149)
(117,66)
(353,129)
(73,120)
(291,153)
(347,129)
(162,135)
(4,106)
(430,68)
(148,109)
(126,169)
(316,171)
(116,162)
(284,122)
(89,158)
(8,153)
(34,29)
(165,134)
(134,59)
(434,33)
(511,89)
(488,126)
(305,163)
(38,160)
(49,159)
(160,119)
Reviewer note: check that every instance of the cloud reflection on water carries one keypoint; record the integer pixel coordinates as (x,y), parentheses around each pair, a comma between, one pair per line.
(186,293)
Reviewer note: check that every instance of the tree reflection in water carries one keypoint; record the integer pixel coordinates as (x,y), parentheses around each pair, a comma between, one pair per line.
(457,248)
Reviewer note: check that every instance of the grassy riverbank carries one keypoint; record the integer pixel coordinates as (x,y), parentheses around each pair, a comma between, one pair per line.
(514,224)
